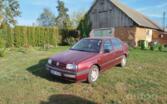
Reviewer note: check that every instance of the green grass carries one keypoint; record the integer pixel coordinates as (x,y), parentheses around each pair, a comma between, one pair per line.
(24,80)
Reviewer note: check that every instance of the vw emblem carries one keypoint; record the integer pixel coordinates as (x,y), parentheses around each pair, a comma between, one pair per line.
(57,64)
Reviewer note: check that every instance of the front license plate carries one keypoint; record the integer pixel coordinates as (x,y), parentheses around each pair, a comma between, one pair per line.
(55,73)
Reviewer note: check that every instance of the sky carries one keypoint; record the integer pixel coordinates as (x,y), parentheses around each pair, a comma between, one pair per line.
(31,9)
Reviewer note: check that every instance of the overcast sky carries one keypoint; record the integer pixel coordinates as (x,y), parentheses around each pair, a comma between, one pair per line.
(31,9)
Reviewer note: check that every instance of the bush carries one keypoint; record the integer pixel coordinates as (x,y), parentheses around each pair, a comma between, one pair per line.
(160,47)
(156,46)
(153,46)
(2,52)
(2,46)
(23,36)
(2,43)
(71,41)
(143,44)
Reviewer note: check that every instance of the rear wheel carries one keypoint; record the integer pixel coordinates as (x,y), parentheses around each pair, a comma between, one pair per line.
(93,74)
(123,61)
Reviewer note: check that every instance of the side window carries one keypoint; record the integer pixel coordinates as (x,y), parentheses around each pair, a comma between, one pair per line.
(116,43)
(107,45)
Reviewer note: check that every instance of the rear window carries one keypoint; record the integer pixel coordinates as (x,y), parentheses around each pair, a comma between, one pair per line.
(108,45)
(117,43)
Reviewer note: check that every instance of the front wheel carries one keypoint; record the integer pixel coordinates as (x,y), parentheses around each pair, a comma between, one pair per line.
(93,74)
(123,61)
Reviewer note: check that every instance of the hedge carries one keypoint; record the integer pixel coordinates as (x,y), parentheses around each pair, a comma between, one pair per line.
(24,36)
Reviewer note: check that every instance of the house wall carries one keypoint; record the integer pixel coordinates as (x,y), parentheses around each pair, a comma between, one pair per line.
(143,34)
(132,35)
(126,34)
(157,37)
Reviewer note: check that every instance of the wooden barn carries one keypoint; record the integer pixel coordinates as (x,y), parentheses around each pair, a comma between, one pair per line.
(128,24)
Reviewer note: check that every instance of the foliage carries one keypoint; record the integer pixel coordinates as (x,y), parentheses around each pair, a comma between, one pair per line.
(2,52)
(22,36)
(156,46)
(153,47)
(46,19)
(71,41)
(85,27)
(77,17)
(69,37)
(63,19)
(2,46)
(161,47)
(143,44)
(1,11)
(9,9)
(2,42)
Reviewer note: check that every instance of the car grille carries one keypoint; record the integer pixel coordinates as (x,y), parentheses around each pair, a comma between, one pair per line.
(61,65)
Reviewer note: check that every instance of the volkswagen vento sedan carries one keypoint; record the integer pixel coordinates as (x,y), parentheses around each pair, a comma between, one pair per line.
(88,58)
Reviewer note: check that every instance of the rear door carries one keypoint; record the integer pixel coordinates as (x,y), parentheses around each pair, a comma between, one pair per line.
(107,57)
(118,50)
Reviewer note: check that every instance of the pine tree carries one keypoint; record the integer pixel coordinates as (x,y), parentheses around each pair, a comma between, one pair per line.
(63,19)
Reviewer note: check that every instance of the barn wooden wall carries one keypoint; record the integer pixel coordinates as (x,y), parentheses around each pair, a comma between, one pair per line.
(105,14)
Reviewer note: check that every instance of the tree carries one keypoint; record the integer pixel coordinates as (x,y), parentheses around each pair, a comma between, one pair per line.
(1,17)
(63,19)
(46,19)
(9,10)
(85,26)
(77,17)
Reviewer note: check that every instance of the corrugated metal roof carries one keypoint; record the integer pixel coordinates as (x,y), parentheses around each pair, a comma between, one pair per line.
(137,17)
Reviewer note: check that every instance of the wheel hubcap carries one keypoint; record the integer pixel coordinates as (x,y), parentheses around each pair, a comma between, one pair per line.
(124,61)
(94,74)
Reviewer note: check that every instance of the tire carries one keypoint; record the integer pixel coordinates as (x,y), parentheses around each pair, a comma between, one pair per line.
(93,74)
(123,61)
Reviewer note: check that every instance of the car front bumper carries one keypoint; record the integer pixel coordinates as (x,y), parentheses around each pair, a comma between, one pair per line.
(66,74)
(61,73)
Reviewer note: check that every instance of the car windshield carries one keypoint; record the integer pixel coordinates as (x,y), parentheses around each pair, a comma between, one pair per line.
(88,45)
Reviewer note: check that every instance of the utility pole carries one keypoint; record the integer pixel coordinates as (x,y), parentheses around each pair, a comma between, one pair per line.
(164,20)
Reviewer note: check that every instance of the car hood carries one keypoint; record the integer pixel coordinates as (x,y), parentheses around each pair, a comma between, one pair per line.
(73,57)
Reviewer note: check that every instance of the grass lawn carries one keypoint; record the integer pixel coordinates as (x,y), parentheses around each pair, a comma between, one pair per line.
(24,80)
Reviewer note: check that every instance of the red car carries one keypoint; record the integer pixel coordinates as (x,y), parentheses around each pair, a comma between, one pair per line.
(86,59)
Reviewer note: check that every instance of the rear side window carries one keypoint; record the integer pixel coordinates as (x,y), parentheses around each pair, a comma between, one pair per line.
(116,43)
(108,45)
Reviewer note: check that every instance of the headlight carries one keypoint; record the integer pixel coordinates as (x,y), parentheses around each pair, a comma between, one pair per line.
(50,61)
(71,67)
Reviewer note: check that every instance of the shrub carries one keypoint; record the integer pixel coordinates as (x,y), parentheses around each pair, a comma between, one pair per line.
(2,47)
(160,47)
(23,36)
(143,44)
(2,52)
(154,46)
(2,43)
(71,41)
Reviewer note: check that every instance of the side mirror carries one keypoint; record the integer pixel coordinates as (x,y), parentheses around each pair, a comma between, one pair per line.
(106,51)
